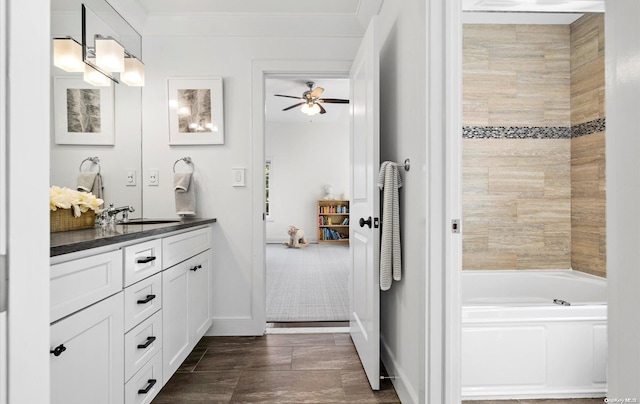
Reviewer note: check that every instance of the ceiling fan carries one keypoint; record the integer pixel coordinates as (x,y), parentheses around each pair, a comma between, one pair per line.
(311,103)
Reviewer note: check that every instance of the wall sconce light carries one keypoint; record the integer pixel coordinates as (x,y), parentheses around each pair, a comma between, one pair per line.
(67,55)
(310,108)
(95,77)
(109,54)
(133,74)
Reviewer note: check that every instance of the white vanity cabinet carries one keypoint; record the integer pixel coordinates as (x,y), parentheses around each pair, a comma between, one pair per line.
(86,344)
(143,321)
(87,355)
(185,292)
(124,316)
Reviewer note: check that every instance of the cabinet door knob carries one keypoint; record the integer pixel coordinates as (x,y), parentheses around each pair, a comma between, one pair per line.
(195,268)
(57,351)
(151,383)
(144,260)
(147,300)
(146,344)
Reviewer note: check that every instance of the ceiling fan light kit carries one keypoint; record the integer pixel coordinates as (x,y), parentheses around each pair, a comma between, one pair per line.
(311,104)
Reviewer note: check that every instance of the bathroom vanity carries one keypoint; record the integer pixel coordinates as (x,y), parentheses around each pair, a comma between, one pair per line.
(128,304)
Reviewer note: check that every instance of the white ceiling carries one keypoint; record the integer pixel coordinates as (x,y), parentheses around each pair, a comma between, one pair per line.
(280,7)
(333,88)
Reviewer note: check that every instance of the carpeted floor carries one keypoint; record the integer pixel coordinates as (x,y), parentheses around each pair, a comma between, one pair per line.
(307,284)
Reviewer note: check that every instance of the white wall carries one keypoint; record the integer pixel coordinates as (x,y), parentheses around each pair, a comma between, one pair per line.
(229,57)
(403,134)
(305,157)
(27,162)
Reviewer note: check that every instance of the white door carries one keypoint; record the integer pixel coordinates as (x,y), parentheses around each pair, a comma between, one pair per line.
(364,279)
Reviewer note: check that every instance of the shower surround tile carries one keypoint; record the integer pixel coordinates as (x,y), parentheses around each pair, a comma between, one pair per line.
(533,146)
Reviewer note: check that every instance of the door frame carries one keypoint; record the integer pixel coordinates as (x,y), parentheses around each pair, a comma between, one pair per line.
(444,203)
(260,70)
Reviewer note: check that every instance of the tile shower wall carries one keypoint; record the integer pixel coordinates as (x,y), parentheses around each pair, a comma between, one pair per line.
(588,236)
(533,147)
(516,147)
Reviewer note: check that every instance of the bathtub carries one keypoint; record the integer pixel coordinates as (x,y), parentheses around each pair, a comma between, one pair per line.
(517,343)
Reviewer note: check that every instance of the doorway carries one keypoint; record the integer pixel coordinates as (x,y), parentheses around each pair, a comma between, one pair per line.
(306,192)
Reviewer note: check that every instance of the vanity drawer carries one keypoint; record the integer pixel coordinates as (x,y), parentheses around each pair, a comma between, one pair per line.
(141,344)
(145,385)
(142,260)
(79,283)
(141,300)
(182,246)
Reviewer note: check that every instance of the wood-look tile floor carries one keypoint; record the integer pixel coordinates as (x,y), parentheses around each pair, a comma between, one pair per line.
(274,368)
(285,368)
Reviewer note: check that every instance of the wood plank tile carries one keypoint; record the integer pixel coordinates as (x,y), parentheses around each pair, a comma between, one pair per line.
(289,387)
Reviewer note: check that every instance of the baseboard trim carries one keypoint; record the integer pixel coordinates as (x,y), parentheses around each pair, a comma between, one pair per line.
(406,392)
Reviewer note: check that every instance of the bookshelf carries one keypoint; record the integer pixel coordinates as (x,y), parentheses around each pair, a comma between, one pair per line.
(333,221)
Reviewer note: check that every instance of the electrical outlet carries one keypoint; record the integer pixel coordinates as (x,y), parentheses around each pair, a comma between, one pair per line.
(131,177)
(152,178)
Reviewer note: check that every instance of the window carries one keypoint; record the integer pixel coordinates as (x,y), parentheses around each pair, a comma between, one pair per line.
(267,189)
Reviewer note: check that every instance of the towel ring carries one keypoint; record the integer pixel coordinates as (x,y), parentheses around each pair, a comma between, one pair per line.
(93,160)
(188,161)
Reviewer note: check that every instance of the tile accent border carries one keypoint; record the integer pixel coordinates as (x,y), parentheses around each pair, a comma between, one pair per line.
(533,132)
(587,128)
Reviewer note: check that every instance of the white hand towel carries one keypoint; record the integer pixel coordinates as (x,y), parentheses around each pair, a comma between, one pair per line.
(97,188)
(184,188)
(390,181)
(90,182)
(85,181)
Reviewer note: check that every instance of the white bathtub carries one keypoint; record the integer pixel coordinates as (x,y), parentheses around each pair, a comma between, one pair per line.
(517,343)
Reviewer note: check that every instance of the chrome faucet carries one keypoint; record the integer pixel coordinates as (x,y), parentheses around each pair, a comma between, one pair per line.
(112,212)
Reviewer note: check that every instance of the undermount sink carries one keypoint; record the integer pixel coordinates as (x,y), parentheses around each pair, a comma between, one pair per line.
(150,221)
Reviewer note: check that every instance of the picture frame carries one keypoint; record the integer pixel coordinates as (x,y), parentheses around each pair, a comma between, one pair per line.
(196,111)
(83,113)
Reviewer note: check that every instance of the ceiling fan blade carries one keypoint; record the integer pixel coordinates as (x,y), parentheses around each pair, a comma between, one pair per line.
(333,100)
(322,110)
(317,92)
(289,96)
(294,105)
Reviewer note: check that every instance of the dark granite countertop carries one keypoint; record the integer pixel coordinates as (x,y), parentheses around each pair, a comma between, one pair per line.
(77,240)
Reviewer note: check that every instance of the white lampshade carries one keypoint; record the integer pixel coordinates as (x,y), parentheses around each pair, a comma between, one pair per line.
(94,77)
(310,108)
(133,72)
(67,55)
(109,55)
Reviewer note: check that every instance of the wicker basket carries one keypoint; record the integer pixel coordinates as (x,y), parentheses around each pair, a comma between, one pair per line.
(63,220)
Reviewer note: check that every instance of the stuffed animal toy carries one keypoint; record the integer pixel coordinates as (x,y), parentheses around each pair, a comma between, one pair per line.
(297,238)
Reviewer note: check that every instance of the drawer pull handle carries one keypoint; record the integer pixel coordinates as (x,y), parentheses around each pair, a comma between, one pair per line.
(57,351)
(146,344)
(144,260)
(151,383)
(147,300)
(195,268)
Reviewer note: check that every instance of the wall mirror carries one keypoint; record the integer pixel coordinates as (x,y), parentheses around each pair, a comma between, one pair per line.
(119,160)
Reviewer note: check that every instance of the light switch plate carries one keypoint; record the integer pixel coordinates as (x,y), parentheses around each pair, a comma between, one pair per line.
(238,177)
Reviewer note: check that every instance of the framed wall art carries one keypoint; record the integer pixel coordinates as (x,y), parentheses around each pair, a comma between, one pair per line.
(83,113)
(196,111)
